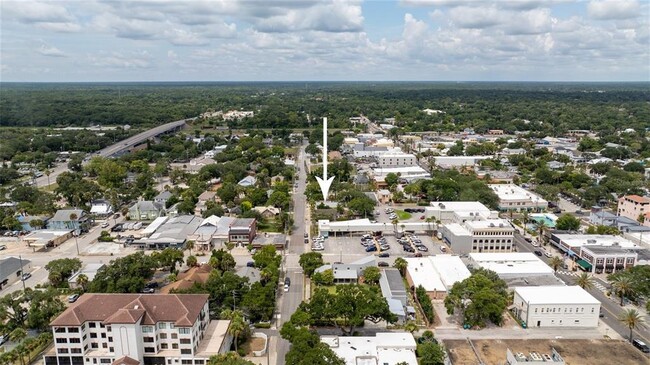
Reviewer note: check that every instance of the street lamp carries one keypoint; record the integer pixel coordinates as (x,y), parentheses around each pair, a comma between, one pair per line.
(76,234)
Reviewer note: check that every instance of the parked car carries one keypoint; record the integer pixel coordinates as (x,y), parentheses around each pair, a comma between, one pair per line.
(443,249)
(3,247)
(3,339)
(250,264)
(73,298)
(384,254)
(105,224)
(382,264)
(641,345)
(419,254)
(548,254)
(26,276)
(371,249)
(422,248)
(538,253)
(148,290)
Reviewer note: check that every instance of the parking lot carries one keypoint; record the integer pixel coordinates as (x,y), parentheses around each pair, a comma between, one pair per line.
(349,248)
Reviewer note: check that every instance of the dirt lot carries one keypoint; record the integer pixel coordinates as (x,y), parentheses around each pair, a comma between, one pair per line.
(574,352)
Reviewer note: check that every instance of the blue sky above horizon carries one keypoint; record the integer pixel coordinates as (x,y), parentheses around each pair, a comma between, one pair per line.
(410,40)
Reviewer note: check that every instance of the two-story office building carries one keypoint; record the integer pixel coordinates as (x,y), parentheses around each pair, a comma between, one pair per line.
(137,329)
(556,306)
(490,235)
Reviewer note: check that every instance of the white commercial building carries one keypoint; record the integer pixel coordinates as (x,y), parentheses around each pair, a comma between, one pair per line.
(598,253)
(396,160)
(410,173)
(458,212)
(511,264)
(386,348)
(436,274)
(136,329)
(451,162)
(556,306)
(490,235)
(513,197)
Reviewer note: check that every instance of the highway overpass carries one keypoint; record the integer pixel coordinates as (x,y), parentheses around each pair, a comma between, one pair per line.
(128,144)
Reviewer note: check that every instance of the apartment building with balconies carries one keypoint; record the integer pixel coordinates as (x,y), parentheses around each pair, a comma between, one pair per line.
(134,329)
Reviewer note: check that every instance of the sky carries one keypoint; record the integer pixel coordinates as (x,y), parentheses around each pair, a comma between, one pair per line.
(329,40)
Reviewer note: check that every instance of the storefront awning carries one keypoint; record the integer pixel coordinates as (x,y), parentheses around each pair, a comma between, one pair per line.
(584,264)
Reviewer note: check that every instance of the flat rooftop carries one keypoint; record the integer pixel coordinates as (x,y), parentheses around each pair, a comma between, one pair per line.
(457,229)
(436,273)
(489,223)
(580,240)
(214,337)
(507,192)
(459,206)
(510,264)
(386,348)
(555,295)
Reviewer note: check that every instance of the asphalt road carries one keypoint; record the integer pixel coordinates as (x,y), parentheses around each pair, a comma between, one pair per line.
(113,149)
(609,306)
(291,299)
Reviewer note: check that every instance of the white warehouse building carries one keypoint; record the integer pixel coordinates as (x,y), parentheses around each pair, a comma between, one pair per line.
(556,306)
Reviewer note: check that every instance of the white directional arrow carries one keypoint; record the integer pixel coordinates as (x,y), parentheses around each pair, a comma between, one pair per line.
(325,183)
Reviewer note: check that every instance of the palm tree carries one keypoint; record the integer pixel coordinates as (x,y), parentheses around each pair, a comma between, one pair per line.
(632,319)
(18,334)
(189,245)
(73,217)
(401,265)
(237,324)
(585,281)
(556,262)
(541,229)
(623,285)
(394,223)
(82,281)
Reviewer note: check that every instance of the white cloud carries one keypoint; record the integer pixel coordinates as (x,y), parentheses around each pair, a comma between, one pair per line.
(476,17)
(134,60)
(50,51)
(613,9)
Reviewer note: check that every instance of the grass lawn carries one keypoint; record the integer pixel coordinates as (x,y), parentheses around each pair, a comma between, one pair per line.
(402,215)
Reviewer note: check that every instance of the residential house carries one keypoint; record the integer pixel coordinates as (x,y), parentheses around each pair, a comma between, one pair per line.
(89,270)
(26,221)
(70,220)
(187,279)
(348,273)
(134,329)
(384,196)
(162,198)
(392,288)
(12,269)
(268,212)
(101,208)
(202,203)
(247,181)
(146,210)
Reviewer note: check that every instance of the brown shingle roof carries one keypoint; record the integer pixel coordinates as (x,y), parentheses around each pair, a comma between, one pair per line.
(147,309)
(187,279)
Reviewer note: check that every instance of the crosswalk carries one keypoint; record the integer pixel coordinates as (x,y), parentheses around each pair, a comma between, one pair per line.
(596,283)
